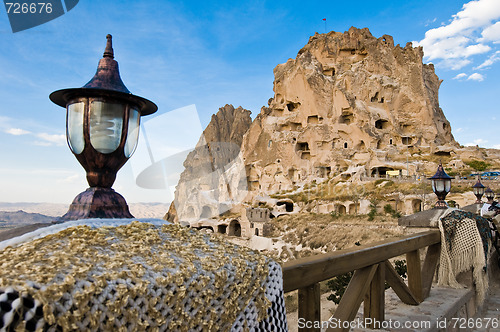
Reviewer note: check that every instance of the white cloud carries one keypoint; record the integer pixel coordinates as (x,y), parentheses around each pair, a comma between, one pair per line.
(455,64)
(74,178)
(491,60)
(465,36)
(459,76)
(430,21)
(476,77)
(459,130)
(50,139)
(478,141)
(17,131)
(491,33)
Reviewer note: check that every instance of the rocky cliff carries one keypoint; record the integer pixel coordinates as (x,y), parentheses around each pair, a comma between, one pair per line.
(214,176)
(348,107)
(348,103)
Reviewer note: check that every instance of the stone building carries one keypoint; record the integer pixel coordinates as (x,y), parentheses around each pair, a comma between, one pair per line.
(259,220)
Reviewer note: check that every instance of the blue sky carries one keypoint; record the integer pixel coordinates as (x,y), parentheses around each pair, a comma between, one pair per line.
(210,54)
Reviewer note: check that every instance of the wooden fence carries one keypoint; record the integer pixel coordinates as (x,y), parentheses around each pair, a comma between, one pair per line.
(372,269)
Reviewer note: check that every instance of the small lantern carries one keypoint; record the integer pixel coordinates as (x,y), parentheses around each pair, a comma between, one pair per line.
(102,129)
(441,185)
(490,195)
(478,190)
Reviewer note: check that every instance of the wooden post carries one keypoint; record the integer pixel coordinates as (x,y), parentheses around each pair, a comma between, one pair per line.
(429,268)
(309,306)
(353,296)
(414,274)
(374,298)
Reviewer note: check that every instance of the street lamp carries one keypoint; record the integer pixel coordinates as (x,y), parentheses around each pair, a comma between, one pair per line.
(102,129)
(478,190)
(441,185)
(490,195)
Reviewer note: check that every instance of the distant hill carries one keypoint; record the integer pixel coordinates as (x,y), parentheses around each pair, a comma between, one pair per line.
(54,210)
(13,215)
(21,218)
(47,209)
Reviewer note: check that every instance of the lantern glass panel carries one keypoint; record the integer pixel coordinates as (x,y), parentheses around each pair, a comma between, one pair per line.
(438,185)
(447,185)
(478,191)
(106,123)
(133,132)
(74,127)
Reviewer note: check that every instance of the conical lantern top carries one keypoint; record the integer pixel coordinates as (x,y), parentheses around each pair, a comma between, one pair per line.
(440,173)
(105,83)
(107,76)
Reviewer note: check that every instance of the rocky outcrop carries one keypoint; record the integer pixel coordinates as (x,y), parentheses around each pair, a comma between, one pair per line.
(214,173)
(348,103)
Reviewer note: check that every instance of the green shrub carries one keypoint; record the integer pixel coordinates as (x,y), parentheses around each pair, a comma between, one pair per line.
(388,209)
(478,165)
(400,267)
(373,209)
(338,286)
(450,171)
(334,215)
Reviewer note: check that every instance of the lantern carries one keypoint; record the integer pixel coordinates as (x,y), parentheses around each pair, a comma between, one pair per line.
(478,190)
(441,185)
(102,130)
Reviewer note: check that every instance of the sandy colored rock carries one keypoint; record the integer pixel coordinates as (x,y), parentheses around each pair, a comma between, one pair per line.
(347,100)
(351,108)
(213,170)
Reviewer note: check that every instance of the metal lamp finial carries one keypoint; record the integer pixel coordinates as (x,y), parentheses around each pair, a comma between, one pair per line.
(108,52)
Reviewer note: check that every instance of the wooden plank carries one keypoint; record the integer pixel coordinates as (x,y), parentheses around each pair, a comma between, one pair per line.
(414,274)
(398,285)
(374,306)
(429,268)
(309,306)
(310,270)
(353,295)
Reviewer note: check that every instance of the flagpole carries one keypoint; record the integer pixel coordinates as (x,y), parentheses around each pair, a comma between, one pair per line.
(325,24)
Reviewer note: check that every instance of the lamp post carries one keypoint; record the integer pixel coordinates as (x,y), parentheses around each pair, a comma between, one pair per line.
(441,185)
(478,190)
(489,194)
(102,130)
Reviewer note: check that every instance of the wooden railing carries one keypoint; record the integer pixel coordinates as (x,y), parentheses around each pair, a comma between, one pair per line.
(371,267)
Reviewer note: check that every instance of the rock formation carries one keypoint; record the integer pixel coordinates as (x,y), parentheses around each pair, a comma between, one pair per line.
(214,175)
(349,102)
(349,106)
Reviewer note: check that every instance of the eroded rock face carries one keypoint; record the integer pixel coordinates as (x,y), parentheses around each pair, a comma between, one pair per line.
(214,176)
(349,105)
(349,102)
